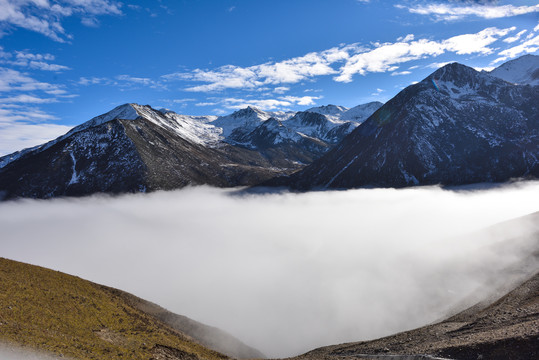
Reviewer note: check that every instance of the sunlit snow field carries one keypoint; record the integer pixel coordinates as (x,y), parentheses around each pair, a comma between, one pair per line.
(283,272)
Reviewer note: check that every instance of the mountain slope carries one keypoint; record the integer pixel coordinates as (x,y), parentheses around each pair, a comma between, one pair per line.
(457,126)
(506,329)
(68,316)
(210,337)
(523,70)
(361,112)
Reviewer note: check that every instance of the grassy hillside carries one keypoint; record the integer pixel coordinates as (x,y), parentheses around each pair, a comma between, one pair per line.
(72,317)
(211,337)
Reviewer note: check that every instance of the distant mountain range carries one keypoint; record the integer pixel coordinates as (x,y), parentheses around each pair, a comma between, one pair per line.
(135,148)
(457,126)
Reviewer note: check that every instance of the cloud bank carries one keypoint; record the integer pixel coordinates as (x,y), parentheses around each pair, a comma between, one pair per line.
(283,272)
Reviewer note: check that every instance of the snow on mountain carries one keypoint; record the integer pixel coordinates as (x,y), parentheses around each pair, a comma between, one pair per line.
(522,71)
(268,133)
(334,111)
(318,126)
(457,126)
(245,119)
(361,112)
(196,129)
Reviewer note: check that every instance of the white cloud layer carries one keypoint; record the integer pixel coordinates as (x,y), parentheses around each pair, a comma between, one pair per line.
(285,272)
(343,62)
(451,12)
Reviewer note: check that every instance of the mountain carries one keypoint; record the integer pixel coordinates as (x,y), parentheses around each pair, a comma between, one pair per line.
(74,318)
(277,141)
(457,126)
(361,112)
(243,121)
(523,70)
(135,148)
(356,114)
(334,111)
(300,137)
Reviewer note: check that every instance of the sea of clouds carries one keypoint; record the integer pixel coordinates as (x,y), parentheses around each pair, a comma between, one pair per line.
(288,272)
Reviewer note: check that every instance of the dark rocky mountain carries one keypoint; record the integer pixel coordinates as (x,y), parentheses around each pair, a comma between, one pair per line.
(136,148)
(133,148)
(276,141)
(457,126)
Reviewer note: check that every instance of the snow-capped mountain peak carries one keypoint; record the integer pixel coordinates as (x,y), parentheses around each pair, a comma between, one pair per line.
(241,122)
(361,112)
(332,110)
(522,71)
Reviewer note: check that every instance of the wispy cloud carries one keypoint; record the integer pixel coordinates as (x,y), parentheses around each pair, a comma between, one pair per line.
(530,45)
(287,71)
(512,39)
(281,89)
(128,80)
(377,92)
(123,81)
(388,56)
(32,61)
(45,17)
(13,80)
(22,124)
(397,73)
(342,62)
(27,99)
(452,12)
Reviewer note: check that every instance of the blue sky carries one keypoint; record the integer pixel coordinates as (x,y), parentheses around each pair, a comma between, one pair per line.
(63,62)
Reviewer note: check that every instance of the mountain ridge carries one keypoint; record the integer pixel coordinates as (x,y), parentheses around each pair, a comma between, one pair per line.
(457,126)
(135,148)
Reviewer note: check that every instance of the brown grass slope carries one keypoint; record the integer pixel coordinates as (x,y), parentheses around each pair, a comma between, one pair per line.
(65,315)
(209,336)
